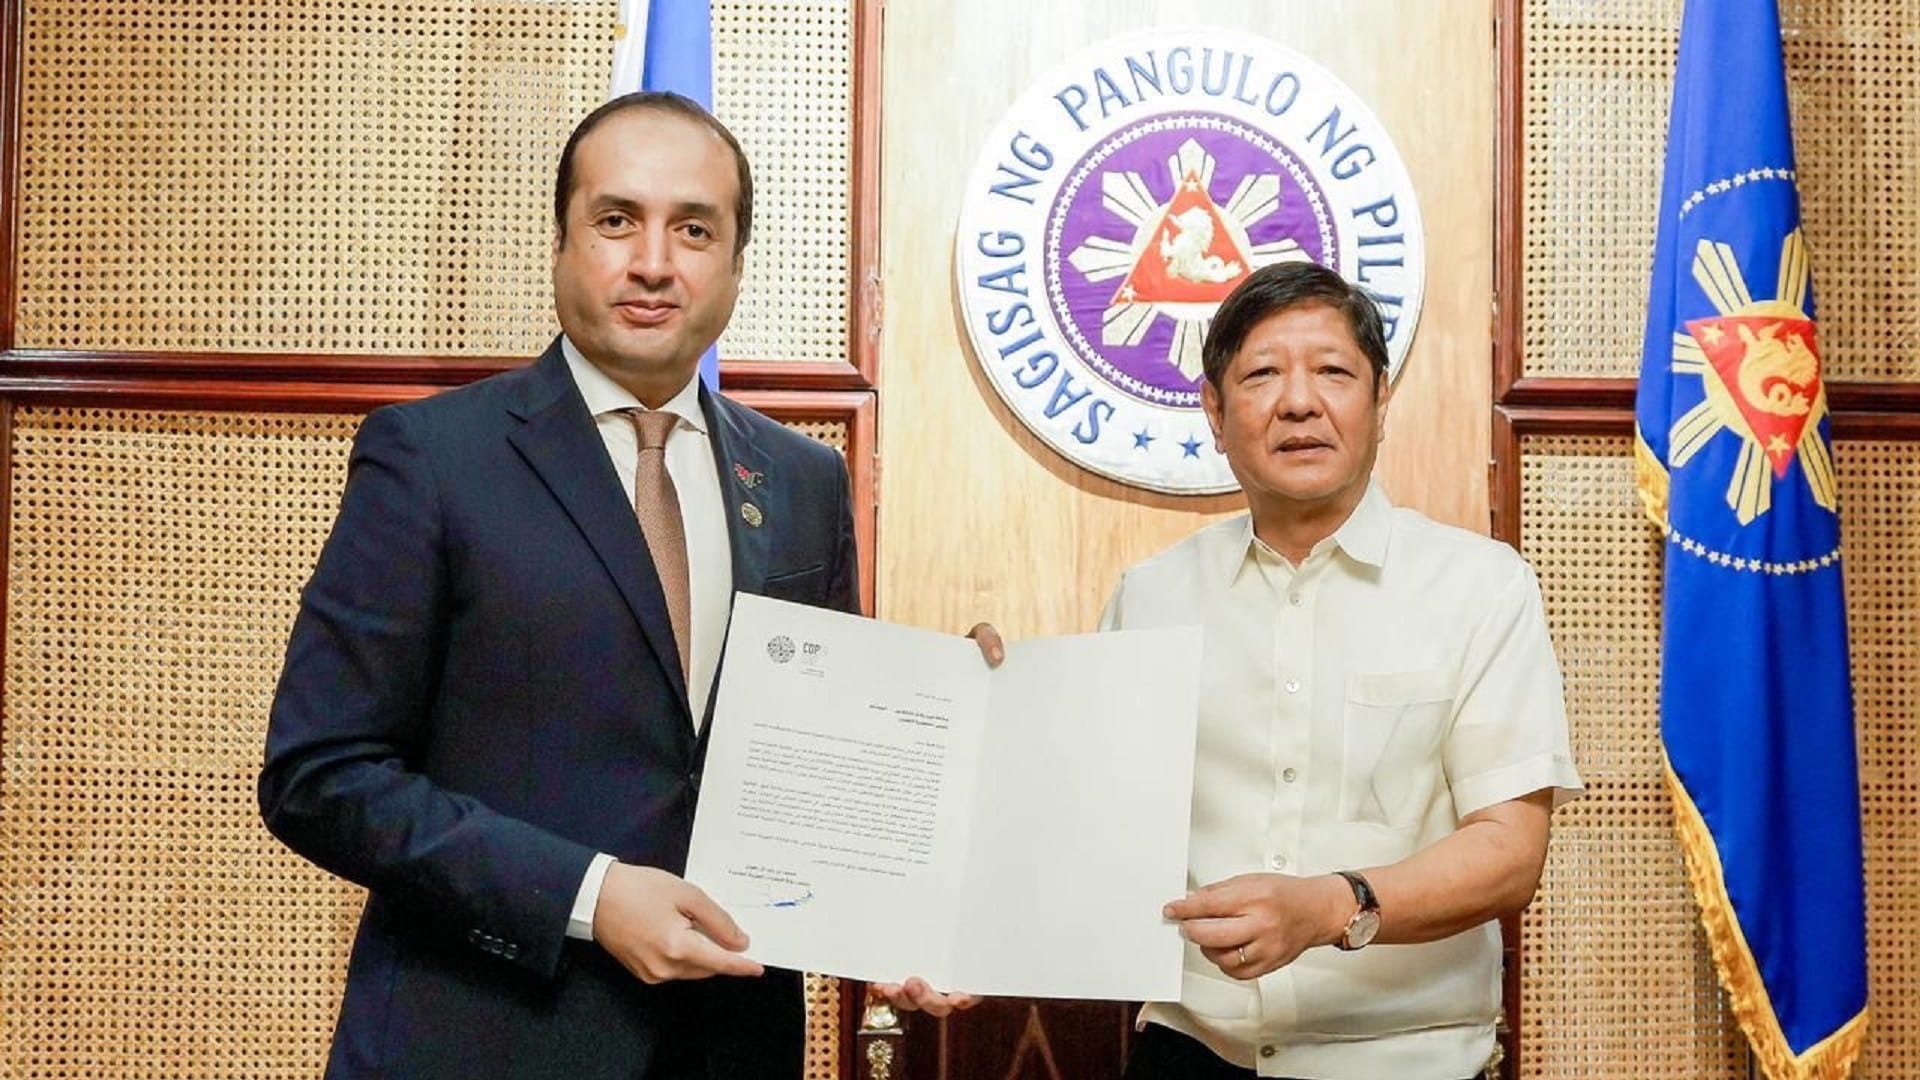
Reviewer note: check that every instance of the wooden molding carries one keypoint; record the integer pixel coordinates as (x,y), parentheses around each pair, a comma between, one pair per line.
(1524,392)
(373,369)
(864,291)
(217,395)
(1862,426)
(791,375)
(1509,212)
(81,366)
(1846,397)
(1503,485)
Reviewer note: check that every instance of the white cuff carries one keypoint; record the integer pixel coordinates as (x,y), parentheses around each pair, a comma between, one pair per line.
(580,923)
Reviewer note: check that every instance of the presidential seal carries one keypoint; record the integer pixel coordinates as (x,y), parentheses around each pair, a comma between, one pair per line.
(1125,195)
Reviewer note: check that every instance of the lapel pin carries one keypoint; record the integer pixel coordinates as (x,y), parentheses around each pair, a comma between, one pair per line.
(751,514)
(748,477)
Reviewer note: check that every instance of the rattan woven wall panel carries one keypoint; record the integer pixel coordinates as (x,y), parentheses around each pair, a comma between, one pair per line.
(783,82)
(149,926)
(832,432)
(1598,77)
(1880,484)
(375,176)
(1616,981)
(152,928)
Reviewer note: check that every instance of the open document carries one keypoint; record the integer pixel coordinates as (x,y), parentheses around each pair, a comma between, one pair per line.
(878,803)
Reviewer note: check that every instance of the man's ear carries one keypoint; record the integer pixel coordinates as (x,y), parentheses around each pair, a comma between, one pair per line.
(1382,397)
(1213,405)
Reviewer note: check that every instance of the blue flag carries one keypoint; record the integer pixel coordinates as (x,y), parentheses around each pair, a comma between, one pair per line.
(1734,462)
(667,45)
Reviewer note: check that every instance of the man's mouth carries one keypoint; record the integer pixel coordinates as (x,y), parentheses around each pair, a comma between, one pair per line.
(646,312)
(1302,445)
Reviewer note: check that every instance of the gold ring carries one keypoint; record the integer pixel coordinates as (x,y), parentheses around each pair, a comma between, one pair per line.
(1243,955)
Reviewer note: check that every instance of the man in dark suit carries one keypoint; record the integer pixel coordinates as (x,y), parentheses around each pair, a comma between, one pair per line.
(493,711)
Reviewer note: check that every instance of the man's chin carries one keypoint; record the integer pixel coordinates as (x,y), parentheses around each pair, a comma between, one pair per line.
(1300,493)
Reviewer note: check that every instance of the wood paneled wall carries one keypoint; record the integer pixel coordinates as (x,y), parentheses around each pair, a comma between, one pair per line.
(978,519)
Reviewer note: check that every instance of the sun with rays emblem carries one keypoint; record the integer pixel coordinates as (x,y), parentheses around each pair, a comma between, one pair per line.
(1185,253)
(1759,364)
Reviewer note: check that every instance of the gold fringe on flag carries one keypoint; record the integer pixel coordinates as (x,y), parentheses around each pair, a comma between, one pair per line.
(1831,1058)
(1650,480)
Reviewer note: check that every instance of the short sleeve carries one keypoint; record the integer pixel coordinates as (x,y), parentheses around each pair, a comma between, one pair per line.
(1509,733)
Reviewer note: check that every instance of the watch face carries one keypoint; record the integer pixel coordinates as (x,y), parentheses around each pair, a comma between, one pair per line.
(1361,929)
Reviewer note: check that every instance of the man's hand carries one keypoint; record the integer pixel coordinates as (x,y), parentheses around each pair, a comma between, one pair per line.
(915,995)
(661,928)
(1256,923)
(991,648)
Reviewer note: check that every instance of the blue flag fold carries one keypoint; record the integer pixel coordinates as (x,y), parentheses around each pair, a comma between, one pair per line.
(1734,463)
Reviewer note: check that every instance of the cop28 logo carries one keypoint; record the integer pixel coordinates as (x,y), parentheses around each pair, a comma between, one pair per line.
(1126,194)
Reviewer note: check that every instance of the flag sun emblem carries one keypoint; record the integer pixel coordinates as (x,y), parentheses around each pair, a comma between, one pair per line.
(1759,364)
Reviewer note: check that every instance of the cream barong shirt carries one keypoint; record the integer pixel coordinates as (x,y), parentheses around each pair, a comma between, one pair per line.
(1352,711)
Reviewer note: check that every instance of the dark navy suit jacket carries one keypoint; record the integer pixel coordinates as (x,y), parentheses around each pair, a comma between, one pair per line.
(482,690)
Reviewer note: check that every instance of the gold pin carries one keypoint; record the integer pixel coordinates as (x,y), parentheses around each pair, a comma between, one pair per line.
(752,514)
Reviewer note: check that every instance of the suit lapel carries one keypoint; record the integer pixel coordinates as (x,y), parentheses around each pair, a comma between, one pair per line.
(744,487)
(559,441)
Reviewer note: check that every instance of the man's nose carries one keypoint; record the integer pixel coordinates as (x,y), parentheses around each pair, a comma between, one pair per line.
(651,256)
(1297,397)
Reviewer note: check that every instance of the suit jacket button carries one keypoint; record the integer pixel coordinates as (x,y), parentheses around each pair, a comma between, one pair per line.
(474,936)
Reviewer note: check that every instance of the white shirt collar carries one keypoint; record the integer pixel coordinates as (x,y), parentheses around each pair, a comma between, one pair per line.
(603,395)
(1363,536)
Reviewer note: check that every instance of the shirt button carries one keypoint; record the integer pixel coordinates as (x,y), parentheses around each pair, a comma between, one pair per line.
(1289,775)
(1266,1051)
(1293,686)
(1279,862)
(1296,599)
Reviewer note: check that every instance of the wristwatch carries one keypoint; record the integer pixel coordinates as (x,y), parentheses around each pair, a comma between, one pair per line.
(1366,921)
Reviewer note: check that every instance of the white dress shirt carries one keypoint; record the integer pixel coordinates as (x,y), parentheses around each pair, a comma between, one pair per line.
(690,462)
(1353,709)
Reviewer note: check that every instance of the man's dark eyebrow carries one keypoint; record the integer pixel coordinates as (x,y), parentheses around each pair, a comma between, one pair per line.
(612,202)
(632,208)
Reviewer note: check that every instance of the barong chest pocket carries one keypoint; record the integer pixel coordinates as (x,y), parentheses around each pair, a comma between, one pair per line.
(1391,754)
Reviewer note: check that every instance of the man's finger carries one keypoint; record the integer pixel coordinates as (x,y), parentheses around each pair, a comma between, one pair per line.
(1226,961)
(991,647)
(1227,958)
(1217,933)
(703,958)
(1212,902)
(711,919)
(929,1000)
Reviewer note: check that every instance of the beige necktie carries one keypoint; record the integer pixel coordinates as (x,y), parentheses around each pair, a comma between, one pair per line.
(657,505)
